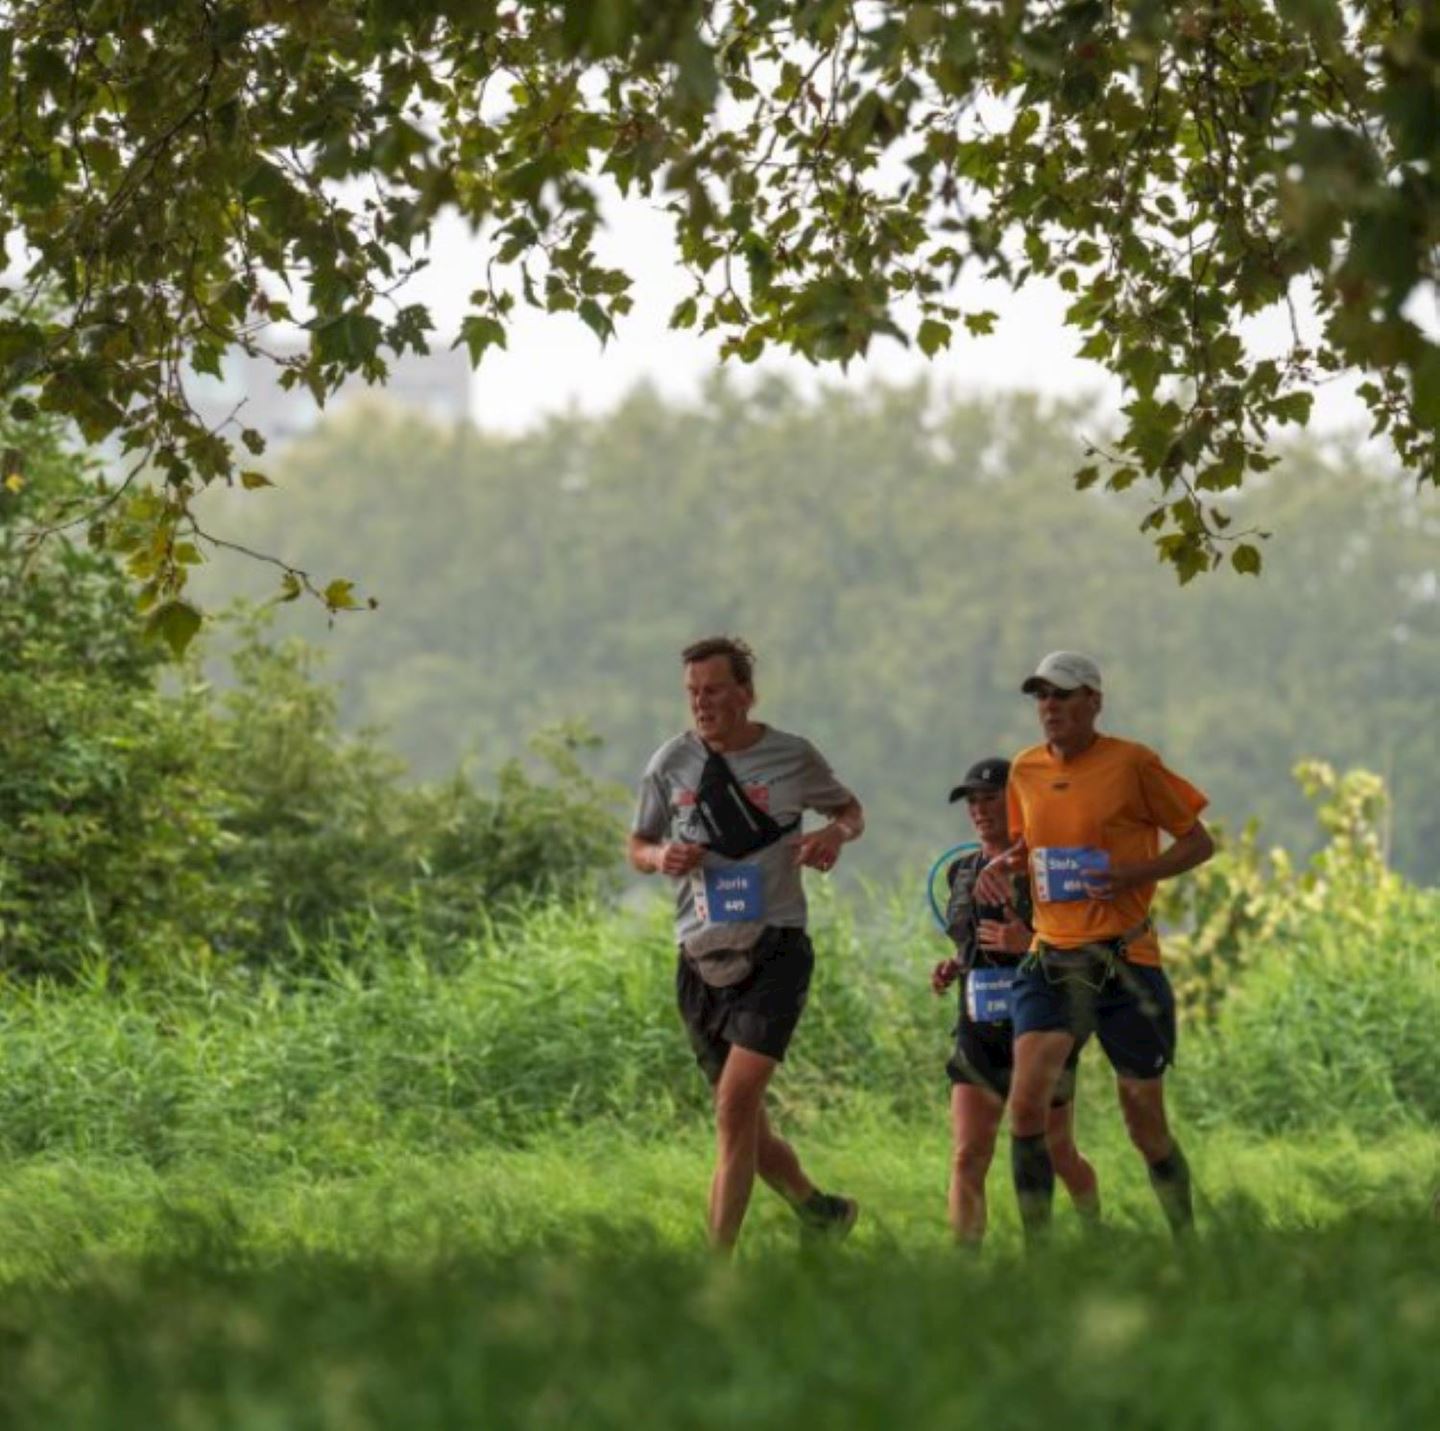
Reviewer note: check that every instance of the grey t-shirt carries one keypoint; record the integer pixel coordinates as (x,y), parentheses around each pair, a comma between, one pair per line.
(781,774)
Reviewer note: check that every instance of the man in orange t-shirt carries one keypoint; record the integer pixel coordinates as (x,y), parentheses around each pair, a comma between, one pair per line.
(1087,811)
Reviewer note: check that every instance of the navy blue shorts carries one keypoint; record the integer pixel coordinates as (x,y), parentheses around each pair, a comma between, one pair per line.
(985,1056)
(1131,1008)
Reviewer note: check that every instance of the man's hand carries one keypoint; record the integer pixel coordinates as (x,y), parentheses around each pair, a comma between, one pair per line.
(1116,880)
(944,974)
(820,850)
(992,885)
(677,857)
(1010,935)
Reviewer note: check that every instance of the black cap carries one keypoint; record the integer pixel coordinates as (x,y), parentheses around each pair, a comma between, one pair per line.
(985,777)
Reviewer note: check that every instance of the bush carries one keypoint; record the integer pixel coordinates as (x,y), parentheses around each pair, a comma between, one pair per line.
(149,823)
(1332,1025)
(322,834)
(1245,900)
(107,828)
(110,829)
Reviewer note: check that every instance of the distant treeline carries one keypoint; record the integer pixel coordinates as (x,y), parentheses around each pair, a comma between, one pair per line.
(898,560)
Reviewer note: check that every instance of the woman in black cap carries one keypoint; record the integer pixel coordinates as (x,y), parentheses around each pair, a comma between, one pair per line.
(990,941)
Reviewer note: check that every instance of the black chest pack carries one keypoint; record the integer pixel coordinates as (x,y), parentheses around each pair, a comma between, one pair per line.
(736,826)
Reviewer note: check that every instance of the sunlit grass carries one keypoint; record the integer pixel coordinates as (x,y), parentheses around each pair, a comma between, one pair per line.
(567,1283)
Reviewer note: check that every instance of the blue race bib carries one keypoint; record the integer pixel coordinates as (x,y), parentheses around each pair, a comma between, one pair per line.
(987,995)
(1062,872)
(728,894)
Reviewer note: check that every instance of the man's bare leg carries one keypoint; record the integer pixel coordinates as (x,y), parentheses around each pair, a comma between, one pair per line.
(1142,1101)
(778,1165)
(1039,1062)
(739,1113)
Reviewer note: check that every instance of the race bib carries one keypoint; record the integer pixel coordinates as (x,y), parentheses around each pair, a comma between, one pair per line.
(1061,872)
(728,894)
(987,995)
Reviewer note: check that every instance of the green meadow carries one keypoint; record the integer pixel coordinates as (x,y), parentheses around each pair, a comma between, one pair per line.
(390,1193)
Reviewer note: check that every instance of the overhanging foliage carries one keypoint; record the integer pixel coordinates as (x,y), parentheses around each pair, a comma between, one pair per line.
(188,177)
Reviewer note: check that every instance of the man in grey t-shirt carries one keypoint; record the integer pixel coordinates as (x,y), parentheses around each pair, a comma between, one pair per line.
(733,842)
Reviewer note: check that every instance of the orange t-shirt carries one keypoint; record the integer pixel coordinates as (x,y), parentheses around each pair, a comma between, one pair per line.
(1114,796)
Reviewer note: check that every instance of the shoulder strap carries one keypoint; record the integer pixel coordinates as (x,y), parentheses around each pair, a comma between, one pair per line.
(964,862)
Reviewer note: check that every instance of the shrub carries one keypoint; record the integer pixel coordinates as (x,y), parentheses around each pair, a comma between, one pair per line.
(148,821)
(1245,900)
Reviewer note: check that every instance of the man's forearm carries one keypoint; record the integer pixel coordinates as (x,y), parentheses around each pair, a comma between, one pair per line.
(644,854)
(1193,848)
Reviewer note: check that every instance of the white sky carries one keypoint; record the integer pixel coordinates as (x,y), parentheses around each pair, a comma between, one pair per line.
(553,362)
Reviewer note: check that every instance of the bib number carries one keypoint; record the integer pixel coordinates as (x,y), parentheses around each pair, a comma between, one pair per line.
(1062,872)
(987,995)
(728,894)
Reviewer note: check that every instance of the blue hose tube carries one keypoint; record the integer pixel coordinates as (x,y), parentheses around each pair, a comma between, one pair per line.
(935,906)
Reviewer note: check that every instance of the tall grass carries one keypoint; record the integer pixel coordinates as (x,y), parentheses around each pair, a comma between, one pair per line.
(1330,1027)
(565,1016)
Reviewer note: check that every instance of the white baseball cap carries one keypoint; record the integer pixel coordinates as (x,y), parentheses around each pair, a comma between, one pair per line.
(1066,671)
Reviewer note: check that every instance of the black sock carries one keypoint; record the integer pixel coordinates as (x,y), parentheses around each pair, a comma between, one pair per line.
(1170,1177)
(1034,1182)
(819,1206)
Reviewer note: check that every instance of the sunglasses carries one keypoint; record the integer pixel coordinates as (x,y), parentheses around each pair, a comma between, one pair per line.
(1054,693)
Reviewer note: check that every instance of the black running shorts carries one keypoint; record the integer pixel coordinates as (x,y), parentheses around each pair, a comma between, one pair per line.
(759,1013)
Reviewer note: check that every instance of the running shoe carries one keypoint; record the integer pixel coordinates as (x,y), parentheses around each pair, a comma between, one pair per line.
(828,1215)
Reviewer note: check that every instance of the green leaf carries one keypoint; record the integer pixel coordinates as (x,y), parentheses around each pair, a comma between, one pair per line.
(339,595)
(596,319)
(1152,430)
(1246,559)
(1427,388)
(252,480)
(175,623)
(479,334)
(933,336)
(1293,407)
(349,340)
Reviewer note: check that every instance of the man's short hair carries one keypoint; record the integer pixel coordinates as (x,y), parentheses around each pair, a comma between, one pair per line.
(742,658)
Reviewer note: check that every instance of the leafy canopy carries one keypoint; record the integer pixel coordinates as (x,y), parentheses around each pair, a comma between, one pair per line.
(196,176)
